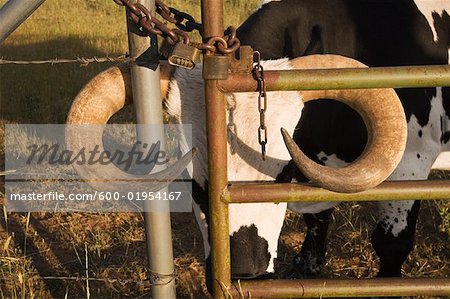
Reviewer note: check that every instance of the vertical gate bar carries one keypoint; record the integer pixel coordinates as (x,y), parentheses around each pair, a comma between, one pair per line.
(145,77)
(15,12)
(212,19)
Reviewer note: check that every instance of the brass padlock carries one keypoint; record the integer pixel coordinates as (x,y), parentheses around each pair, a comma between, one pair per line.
(184,55)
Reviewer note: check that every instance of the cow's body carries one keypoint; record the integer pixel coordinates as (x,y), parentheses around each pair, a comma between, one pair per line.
(377,33)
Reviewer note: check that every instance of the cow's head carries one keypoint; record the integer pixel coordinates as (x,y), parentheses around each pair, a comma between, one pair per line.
(96,103)
(380,109)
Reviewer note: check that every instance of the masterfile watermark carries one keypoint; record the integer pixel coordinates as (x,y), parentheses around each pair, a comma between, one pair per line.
(140,154)
(97,168)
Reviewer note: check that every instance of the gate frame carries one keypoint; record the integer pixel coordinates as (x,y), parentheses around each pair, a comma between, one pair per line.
(221,193)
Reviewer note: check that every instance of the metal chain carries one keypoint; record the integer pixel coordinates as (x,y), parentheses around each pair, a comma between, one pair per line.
(258,73)
(149,24)
(182,20)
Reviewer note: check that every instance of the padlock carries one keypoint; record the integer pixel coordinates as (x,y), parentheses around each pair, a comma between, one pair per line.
(166,49)
(184,55)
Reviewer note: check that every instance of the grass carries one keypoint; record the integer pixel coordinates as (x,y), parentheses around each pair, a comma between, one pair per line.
(60,29)
(45,255)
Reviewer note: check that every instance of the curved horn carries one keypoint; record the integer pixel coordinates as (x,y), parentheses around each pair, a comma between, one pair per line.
(385,121)
(101,98)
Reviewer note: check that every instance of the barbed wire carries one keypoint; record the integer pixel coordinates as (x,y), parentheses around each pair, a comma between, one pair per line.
(83,61)
(152,280)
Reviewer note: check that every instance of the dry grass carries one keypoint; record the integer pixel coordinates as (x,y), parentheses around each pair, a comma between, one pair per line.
(44,255)
(46,258)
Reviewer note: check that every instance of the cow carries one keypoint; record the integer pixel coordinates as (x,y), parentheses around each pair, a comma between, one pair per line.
(255,227)
(377,33)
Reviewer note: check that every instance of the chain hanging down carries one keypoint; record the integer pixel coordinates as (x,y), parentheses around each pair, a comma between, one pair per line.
(258,73)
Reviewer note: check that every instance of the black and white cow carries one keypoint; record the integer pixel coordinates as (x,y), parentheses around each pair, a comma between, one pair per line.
(377,33)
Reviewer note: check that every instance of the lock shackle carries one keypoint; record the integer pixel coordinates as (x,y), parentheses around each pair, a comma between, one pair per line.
(184,36)
(221,42)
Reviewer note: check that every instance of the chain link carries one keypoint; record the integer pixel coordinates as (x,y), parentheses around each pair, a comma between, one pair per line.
(182,20)
(258,73)
(149,24)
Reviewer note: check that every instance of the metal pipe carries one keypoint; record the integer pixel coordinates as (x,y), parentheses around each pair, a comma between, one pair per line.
(271,192)
(321,79)
(212,19)
(322,288)
(15,12)
(145,77)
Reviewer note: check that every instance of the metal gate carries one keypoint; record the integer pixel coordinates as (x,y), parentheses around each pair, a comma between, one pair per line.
(221,193)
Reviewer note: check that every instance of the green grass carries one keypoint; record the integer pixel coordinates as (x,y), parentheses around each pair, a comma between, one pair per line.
(61,29)
(58,29)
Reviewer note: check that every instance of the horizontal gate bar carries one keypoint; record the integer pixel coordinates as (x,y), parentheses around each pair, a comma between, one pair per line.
(356,78)
(399,190)
(321,288)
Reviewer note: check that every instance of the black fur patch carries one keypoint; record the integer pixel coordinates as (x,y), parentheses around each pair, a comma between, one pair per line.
(249,253)
(391,250)
(310,261)
(322,129)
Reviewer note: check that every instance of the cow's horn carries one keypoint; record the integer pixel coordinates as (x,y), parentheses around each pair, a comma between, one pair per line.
(101,98)
(385,121)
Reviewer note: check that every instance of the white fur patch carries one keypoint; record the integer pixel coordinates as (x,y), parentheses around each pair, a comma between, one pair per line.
(423,144)
(203,226)
(421,152)
(394,215)
(443,161)
(427,7)
(331,160)
(283,111)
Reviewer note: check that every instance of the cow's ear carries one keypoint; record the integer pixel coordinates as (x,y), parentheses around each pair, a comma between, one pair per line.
(315,45)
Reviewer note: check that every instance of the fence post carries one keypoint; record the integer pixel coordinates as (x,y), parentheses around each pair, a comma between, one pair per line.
(145,77)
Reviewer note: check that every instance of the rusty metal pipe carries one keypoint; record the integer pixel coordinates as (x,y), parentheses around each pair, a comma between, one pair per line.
(212,19)
(321,79)
(322,288)
(271,192)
